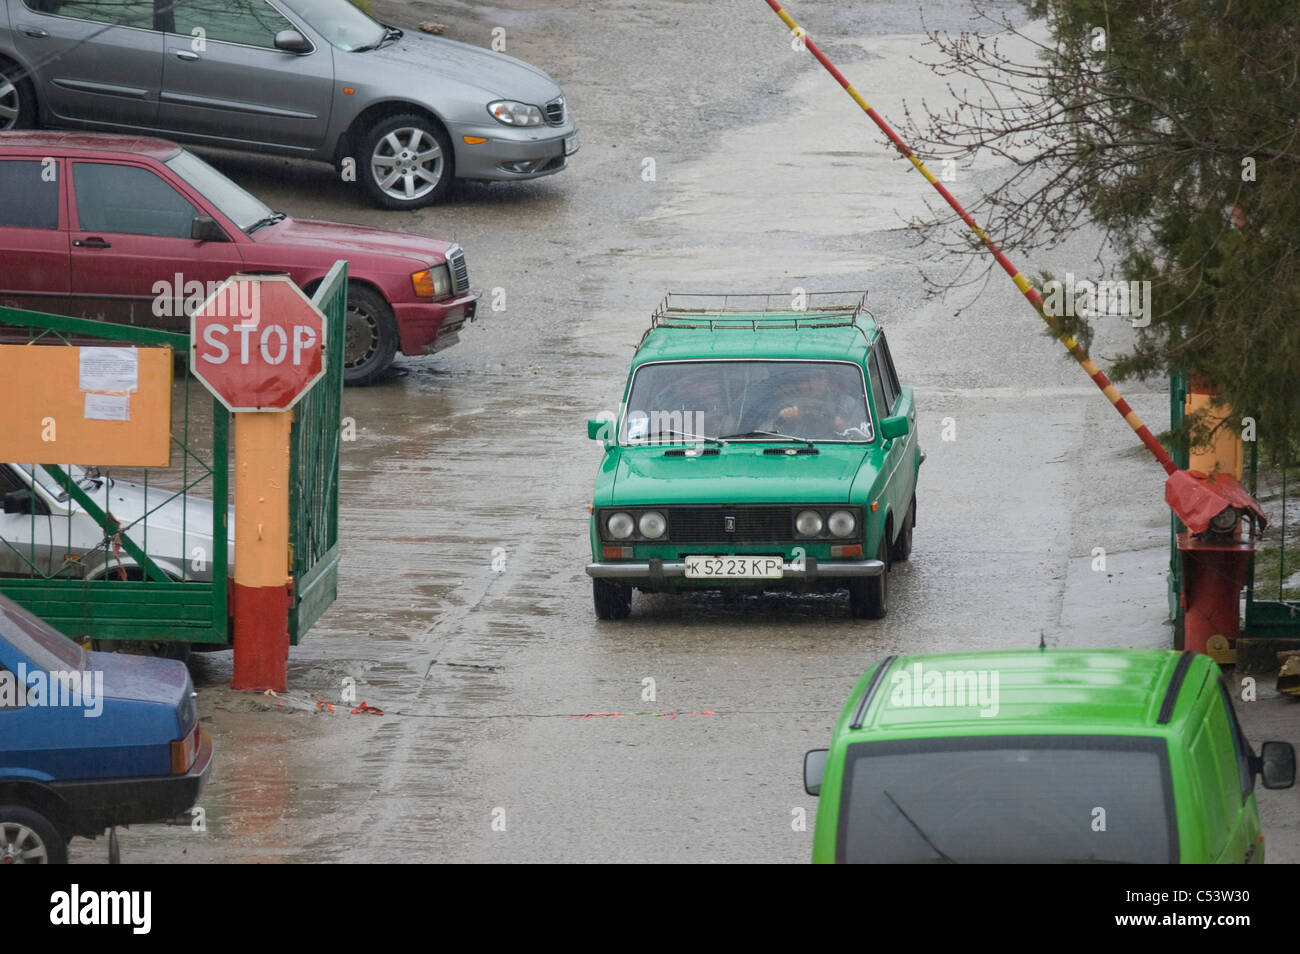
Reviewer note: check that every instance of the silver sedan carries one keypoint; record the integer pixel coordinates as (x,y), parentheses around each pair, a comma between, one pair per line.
(403,114)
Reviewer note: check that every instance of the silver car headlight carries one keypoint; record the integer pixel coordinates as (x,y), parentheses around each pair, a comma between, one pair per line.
(652,525)
(510,113)
(620,525)
(808,523)
(841,523)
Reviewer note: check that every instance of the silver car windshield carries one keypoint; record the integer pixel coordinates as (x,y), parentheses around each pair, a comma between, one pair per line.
(681,401)
(232,201)
(339,22)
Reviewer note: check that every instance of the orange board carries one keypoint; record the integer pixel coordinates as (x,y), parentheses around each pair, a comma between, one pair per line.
(98,407)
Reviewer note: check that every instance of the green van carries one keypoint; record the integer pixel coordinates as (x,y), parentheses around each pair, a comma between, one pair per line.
(759,446)
(1050,755)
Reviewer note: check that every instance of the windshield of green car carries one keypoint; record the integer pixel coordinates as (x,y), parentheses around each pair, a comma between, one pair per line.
(339,22)
(1036,799)
(747,400)
(233,202)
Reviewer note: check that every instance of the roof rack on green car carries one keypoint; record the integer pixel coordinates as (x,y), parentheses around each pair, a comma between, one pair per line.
(756,312)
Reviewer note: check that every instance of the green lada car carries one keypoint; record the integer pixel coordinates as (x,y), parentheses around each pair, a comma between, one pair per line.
(1038,756)
(756,450)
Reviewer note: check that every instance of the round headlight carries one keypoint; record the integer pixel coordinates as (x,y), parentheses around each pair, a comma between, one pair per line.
(652,524)
(808,523)
(620,525)
(842,524)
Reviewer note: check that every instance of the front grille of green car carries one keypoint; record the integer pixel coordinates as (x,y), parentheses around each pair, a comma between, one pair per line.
(750,524)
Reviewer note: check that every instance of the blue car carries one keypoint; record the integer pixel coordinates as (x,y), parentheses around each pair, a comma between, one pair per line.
(89,741)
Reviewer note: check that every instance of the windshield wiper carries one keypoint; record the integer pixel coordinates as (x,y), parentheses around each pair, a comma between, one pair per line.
(390,33)
(263,223)
(781,437)
(693,437)
(917,828)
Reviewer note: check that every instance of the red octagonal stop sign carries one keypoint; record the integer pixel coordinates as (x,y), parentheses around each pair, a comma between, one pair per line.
(258,343)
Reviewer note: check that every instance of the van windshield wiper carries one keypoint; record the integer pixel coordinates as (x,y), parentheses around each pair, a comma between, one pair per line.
(773,434)
(263,223)
(917,828)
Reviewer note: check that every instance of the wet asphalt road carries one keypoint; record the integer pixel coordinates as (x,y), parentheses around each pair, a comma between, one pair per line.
(463,609)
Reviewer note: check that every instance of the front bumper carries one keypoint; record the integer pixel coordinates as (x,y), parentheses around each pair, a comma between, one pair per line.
(524,153)
(96,804)
(428,326)
(808,570)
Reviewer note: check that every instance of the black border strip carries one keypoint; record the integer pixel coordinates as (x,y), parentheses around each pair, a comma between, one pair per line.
(871,691)
(1175,686)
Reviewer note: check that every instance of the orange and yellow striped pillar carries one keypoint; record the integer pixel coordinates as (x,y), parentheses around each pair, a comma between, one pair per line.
(260,595)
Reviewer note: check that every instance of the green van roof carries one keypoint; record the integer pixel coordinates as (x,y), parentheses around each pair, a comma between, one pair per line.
(1040,690)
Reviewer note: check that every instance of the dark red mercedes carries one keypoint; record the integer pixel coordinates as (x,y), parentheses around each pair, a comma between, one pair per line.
(140,231)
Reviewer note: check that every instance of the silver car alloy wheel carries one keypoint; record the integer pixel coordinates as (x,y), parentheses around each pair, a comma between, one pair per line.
(407,163)
(11,103)
(20,845)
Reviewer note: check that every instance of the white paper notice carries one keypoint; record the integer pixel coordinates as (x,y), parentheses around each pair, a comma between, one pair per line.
(109,369)
(108,407)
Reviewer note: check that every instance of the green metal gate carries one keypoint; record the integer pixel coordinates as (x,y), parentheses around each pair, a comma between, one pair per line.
(314,470)
(128,588)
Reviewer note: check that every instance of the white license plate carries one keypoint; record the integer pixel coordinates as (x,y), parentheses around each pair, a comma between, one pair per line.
(571,144)
(734,567)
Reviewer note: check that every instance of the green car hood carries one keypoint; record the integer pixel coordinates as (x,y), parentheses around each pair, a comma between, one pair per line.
(739,473)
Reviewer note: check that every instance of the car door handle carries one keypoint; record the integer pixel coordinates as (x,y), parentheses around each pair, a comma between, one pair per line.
(95,242)
(34,31)
(187,55)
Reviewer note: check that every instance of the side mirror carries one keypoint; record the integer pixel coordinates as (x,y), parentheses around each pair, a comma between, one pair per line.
(892,427)
(204,228)
(291,41)
(600,429)
(20,501)
(814,767)
(1277,764)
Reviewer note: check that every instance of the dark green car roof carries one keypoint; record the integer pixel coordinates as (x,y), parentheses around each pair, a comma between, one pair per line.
(1039,690)
(687,328)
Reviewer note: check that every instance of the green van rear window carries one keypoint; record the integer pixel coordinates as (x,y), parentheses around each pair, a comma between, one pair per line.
(1016,799)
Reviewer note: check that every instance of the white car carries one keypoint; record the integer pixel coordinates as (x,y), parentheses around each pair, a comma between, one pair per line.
(43,532)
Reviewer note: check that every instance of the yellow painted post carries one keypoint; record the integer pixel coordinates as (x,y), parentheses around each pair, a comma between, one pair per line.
(261,591)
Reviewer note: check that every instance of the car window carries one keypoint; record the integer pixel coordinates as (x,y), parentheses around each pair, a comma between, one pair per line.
(674,401)
(9,481)
(1240,746)
(886,384)
(43,645)
(878,393)
(250,22)
(237,205)
(129,200)
(1008,799)
(28,199)
(342,24)
(136,13)
(887,368)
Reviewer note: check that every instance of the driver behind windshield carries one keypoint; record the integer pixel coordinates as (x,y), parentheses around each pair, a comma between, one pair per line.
(819,410)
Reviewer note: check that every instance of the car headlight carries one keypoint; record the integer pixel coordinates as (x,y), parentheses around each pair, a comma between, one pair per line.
(516,114)
(432,282)
(842,523)
(652,525)
(620,525)
(808,523)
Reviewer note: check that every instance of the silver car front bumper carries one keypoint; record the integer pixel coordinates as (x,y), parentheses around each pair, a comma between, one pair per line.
(809,569)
